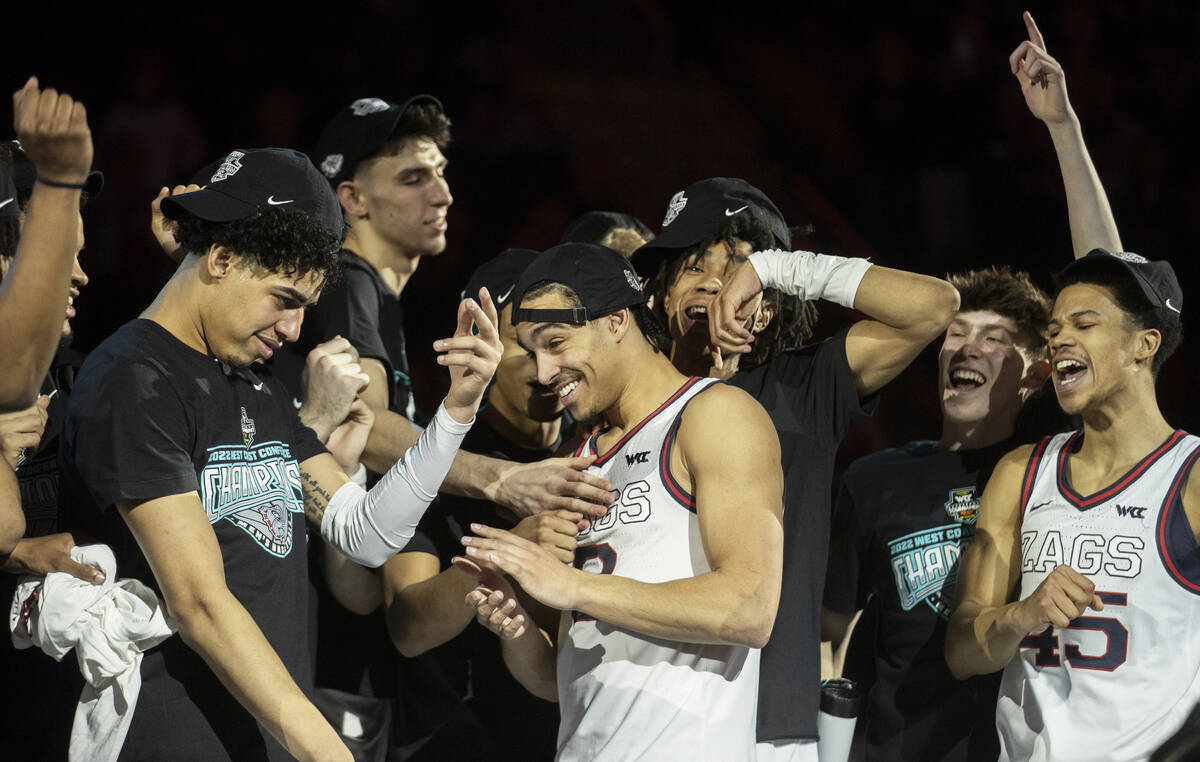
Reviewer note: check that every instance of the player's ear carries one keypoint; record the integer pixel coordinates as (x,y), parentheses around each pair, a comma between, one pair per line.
(219,261)
(762,317)
(350,194)
(1035,375)
(617,323)
(1146,344)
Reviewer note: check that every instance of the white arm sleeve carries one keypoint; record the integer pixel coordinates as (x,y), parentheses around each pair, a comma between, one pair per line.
(371,527)
(810,276)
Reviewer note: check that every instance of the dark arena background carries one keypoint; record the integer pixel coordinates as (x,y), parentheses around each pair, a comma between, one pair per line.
(897,132)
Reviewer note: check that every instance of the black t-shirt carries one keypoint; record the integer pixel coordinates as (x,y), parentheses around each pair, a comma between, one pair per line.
(903,519)
(151,417)
(53,687)
(812,400)
(469,694)
(366,311)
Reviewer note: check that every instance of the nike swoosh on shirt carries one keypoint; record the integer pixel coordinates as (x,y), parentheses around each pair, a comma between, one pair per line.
(8,201)
(1033,508)
(271,200)
(735,211)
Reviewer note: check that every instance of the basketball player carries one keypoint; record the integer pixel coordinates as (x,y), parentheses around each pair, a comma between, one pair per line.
(1082,581)
(197,471)
(673,592)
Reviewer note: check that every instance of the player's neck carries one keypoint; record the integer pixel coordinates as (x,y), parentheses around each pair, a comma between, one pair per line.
(1123,428)
(521,429)
(176,307)
(692,363)
(975,435)
(395,266)
(651,380)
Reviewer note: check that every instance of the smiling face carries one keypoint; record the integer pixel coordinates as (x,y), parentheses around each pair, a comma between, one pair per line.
(405,197)
(981,370)
(1094,353)
(575,361)
(515,390)
(685,304)
(254,311)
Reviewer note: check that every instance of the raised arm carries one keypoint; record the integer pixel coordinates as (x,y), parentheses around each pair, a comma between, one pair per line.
(182,549)
(906,310)
(727,454)
(54,134)
(1045,89)
(989,623)
(370,527)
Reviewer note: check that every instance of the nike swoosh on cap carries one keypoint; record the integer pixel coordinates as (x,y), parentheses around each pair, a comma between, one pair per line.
(735,211)
(1168,304)
(504,296)
(271,200)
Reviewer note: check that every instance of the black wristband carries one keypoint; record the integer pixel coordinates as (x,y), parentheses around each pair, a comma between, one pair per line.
(57,184)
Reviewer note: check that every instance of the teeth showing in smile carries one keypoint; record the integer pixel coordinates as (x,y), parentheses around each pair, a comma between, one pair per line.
(1067,367)
(964,376)
(696,312)
(563,392)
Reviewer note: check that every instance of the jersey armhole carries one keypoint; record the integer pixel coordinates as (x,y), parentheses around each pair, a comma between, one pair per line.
(680,495)
(1031,470)
(1175,536)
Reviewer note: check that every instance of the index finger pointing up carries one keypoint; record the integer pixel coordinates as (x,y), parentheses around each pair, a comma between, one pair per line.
(1035,36)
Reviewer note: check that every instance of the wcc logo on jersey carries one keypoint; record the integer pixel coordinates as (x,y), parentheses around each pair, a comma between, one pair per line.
(255,487)
(963,505)
(925,566)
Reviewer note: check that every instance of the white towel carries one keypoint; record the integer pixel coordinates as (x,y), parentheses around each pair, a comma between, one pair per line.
(109,626)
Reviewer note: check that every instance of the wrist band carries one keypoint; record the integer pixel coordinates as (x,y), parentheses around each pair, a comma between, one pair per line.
(810,276)
(57,184)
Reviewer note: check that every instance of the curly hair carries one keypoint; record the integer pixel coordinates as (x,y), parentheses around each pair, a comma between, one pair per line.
(274,239)
(792,324)
(1140,314)
(650,326)
(1011,294)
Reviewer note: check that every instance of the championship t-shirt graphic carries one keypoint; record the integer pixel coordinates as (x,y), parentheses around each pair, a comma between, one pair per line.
(925,563)
(256,487)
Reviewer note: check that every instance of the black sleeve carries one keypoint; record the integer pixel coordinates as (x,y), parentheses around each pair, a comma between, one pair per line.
(845,591)
(132,439)
(351,310)
(821,385)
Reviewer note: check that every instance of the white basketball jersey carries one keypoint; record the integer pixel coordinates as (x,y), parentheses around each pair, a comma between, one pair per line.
(624,695)
(1116,683)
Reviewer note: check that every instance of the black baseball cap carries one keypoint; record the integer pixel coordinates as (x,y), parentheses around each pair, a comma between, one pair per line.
(592,227)
(697,212)
(251,179)
(358,130)
(1156,280)
(24,173)
(603,279)
(499,274)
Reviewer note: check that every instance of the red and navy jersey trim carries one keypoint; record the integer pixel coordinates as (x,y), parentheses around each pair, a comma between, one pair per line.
(1091,501)
(1176,539)
(682,496)
(602,459)
(1031,469)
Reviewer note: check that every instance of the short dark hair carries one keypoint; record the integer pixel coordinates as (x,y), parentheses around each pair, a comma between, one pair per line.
(1140,314)
(794,317)
(420,120)
(1011,294)
(649,325)
(273,238)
